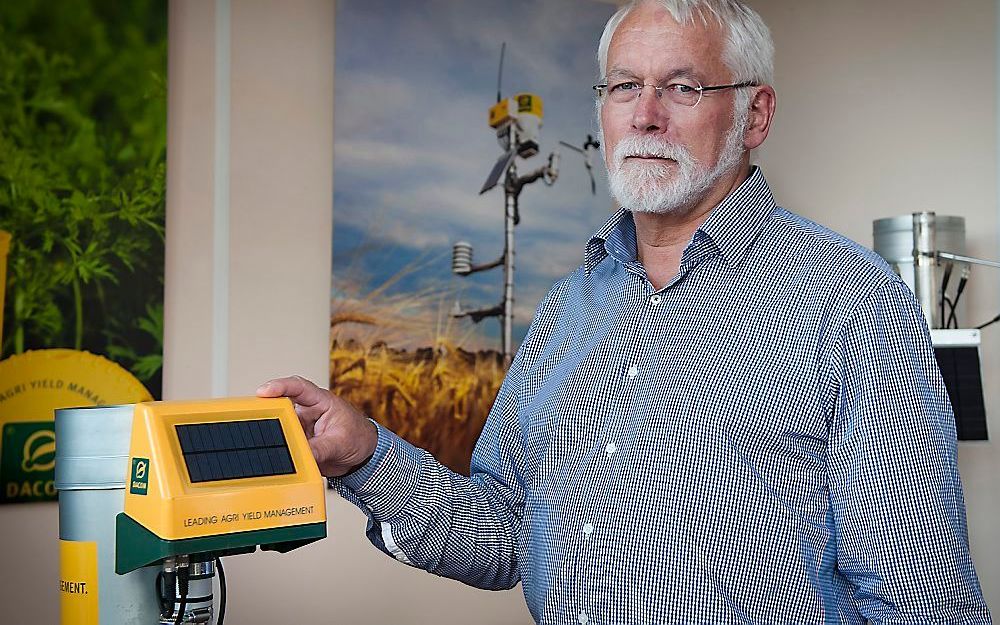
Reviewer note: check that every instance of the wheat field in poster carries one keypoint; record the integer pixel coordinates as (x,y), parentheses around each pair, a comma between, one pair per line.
(414,85)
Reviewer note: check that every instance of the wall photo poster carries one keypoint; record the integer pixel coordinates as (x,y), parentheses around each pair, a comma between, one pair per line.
(422,125)
(82,173)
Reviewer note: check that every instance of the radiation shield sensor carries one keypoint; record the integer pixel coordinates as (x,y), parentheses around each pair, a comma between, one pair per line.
(217,477)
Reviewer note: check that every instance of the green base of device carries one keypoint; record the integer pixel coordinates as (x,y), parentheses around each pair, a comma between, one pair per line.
(137,547)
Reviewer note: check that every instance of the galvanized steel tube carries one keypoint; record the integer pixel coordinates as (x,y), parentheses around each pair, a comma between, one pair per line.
(92,450)
(925,267)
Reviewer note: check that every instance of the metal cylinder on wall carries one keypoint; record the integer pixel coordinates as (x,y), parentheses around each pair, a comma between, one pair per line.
(908,243)
(92,451)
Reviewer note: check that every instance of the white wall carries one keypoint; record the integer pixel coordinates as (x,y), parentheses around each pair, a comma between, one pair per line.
(886,108)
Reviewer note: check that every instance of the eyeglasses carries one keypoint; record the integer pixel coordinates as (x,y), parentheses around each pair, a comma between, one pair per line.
(687,92)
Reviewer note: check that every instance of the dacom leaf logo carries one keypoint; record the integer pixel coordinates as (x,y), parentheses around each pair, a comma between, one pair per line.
(140,476)
(39,452)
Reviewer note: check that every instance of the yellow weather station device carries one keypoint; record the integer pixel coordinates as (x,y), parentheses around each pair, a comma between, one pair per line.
(523,114)
(152,495)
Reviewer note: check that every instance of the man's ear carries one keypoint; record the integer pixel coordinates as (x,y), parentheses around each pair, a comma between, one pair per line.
(761,113)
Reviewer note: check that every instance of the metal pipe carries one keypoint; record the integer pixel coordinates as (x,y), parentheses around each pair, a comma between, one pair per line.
(925,267)
(92,451)
(510,194)
(968,259)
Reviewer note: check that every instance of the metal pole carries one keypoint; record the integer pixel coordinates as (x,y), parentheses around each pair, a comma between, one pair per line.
(925,266)
(510,194)
(92,452)
(968,259)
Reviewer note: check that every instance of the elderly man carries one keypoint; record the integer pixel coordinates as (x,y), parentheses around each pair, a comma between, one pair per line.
(726,414)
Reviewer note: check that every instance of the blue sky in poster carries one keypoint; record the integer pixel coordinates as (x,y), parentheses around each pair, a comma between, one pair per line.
(414,82)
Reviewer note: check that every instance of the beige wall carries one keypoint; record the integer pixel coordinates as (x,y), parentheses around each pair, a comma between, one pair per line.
(863,131)
(860,134)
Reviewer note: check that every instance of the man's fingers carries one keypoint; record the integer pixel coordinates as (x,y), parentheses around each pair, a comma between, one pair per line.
(271,388)
(296,388)
(310,401)
(290,387)
(339,436)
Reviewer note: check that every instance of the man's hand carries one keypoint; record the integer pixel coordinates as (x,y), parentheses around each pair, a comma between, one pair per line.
(342,439)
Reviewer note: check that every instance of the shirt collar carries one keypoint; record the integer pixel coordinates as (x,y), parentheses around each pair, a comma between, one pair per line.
(732,225)
(735,223)
(616,237)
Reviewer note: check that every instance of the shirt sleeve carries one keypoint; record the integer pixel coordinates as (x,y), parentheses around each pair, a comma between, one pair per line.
(895,492)
(427,516)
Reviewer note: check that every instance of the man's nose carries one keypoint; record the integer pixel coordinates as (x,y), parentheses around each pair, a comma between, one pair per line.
(649,114)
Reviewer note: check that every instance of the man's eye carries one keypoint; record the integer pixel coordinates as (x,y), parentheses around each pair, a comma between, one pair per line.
(624,86)
(680,88)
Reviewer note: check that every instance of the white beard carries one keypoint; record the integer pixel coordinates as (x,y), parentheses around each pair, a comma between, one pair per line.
(668,187)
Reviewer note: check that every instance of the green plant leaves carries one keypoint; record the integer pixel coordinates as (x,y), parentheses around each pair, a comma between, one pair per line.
(82,176)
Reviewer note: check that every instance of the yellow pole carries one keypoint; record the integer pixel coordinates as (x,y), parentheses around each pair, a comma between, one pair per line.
(4,247)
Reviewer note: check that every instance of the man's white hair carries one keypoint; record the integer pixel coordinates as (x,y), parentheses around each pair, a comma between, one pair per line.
(749,51)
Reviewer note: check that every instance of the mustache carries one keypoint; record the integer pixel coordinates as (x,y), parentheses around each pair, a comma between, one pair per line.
(650,146)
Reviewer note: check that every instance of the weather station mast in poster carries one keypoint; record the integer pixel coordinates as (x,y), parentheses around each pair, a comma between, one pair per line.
(518,121)
(419,343)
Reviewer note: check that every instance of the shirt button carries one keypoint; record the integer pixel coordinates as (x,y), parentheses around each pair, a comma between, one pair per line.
(633,371)
(655,299)
(582,618)
(588,529)
(610,448)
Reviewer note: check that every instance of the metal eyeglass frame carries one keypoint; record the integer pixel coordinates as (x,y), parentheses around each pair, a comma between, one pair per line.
(602,89)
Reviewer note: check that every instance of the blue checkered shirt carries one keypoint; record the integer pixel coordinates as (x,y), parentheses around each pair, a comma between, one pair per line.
(766,439)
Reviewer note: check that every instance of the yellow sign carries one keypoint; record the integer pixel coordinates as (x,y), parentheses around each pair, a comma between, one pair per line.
(78,582)
(32,386)
(499,113)
(529,103)
(516,106)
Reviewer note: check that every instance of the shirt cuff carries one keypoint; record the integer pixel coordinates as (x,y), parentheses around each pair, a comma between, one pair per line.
(388,480)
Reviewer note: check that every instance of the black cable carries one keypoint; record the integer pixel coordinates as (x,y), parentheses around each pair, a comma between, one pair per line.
(158,584)
(945,318)
(222,591)
(193,600)
(944,291)
(166,580)
(988,323)
(958,296)
(182,585)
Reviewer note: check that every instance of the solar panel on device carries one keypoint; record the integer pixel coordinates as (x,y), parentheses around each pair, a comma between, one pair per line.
(227,450)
